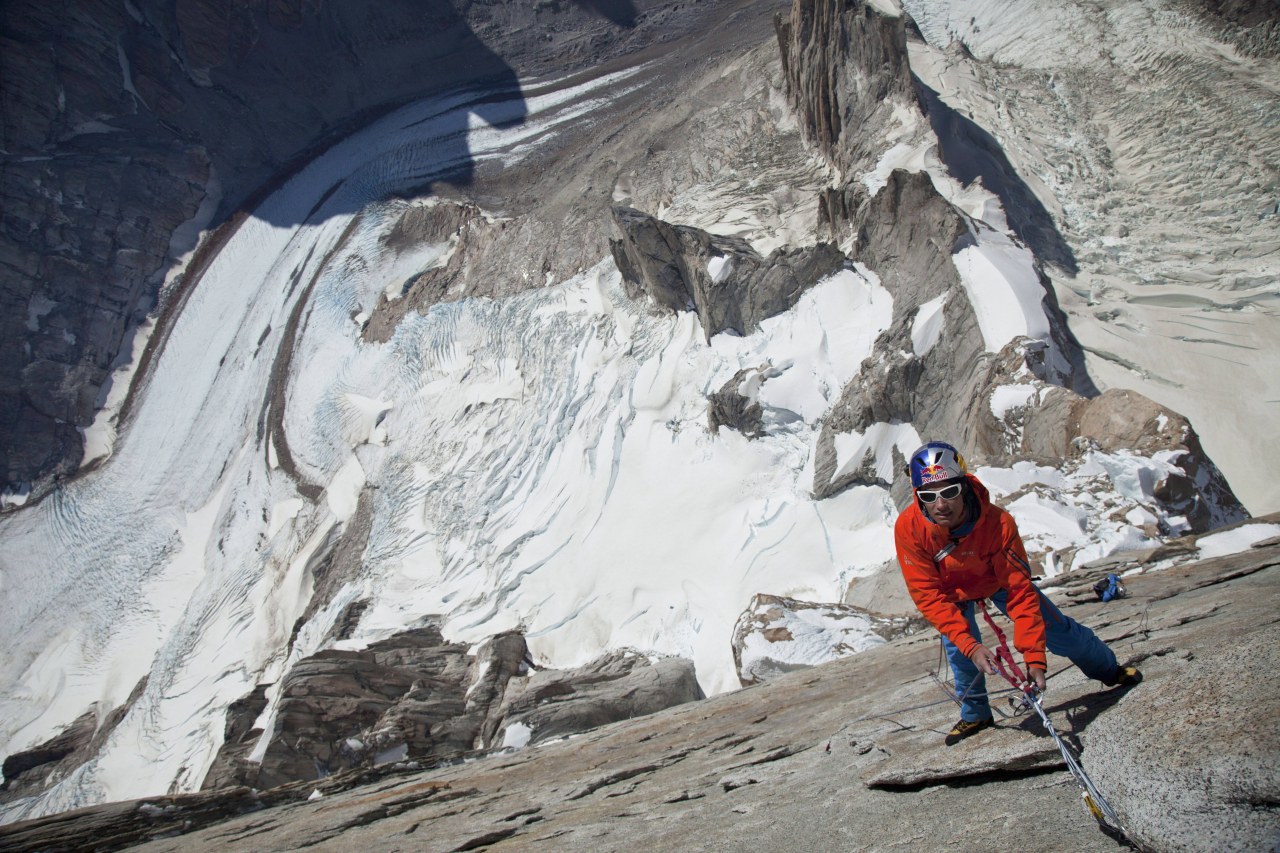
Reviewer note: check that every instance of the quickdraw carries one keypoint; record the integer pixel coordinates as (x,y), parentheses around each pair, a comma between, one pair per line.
(1095,804)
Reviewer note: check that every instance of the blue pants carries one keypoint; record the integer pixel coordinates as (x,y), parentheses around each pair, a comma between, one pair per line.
(1063,635)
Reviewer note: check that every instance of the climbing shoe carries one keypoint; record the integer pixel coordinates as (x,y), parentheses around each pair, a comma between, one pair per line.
(1124,676)
(964,729)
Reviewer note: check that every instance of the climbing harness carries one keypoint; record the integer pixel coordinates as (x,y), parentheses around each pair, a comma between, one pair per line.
(1095,804)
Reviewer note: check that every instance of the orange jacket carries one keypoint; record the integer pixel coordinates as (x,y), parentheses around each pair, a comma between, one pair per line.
(991,557)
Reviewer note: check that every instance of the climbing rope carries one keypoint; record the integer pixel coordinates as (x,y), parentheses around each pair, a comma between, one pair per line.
(1095,804)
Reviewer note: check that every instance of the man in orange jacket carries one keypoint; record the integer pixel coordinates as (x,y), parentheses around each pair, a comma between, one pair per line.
(956,548)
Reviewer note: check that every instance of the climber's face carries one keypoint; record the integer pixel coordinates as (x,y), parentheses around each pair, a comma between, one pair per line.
(945,502)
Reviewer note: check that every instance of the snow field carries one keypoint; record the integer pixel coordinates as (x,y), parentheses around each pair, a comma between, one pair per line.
(1234,541)
(927,325)
(1100,505)
(1000,280)
(597,512)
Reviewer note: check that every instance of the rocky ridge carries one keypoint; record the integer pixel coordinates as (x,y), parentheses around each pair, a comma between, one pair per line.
(1139,185)
(908,231)
(722,279)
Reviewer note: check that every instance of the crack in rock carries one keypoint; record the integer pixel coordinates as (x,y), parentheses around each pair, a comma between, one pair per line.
(485,840)
(1031,766)
(622,776)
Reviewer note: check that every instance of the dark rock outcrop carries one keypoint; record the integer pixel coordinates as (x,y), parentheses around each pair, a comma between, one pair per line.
(845,66)
(463,228)
(238,740)
(416,698)
(846,70)
(33,770)
(339,708)
(728,283)
(730,407)
(52,751)
(907,233)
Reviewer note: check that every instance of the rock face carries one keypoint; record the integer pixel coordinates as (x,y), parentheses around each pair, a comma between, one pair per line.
(415,697)
(1066,424)
(839,69)
(550,704)
(338,709)
(833,754)
(723,279)
(907,233)
(848,69)
(845,66)
(1235,802)
(735,406)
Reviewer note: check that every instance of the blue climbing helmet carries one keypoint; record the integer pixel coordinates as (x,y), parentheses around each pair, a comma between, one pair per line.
(935,462)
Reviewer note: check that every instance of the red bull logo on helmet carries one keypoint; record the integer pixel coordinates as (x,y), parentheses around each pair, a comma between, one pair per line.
(933,473)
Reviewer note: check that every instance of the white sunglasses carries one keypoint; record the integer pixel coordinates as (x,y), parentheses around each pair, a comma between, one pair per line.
(950,492)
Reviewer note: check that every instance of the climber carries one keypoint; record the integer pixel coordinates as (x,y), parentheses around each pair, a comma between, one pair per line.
(956,548)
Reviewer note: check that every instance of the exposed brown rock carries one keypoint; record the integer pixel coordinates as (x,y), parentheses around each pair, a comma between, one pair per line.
(341,709)
(845,66)
(58,747)
(670,264)
(1067,425)
(728,407)
(414,697)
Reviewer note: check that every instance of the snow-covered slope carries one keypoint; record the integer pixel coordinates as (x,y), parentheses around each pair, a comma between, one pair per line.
(538,460)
